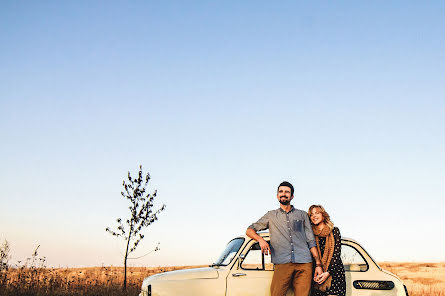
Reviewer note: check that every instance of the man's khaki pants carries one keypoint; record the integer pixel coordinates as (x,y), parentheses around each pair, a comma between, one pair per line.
(297,274)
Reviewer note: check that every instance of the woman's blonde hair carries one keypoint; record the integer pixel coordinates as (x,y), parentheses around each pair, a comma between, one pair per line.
(326,217)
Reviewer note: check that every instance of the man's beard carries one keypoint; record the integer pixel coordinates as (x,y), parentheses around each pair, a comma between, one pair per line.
(284,202)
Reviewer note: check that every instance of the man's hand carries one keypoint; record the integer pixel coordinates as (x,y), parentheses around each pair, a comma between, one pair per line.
(321,278)
(318,269)
(318,272)
(265,249)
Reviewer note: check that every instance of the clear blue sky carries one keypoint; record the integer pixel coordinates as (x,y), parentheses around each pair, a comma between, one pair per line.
(220,101)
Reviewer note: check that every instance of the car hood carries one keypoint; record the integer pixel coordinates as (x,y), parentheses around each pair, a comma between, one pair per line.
(186,274)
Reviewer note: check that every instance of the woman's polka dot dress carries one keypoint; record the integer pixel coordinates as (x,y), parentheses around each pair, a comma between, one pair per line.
(336,268)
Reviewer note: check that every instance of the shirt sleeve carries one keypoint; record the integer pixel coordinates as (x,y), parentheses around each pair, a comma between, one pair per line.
(309,233)
(336,257)
(261,224)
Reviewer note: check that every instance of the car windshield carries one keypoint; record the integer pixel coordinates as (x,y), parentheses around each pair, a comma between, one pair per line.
(229,252)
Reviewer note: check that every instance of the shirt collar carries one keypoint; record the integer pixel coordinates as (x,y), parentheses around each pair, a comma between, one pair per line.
(283,211)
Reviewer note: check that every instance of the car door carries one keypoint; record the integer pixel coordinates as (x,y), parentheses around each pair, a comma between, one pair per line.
(363,276)
(252,274)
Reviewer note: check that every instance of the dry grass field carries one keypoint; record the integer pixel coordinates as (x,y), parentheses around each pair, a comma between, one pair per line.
(76,281)
(422,279)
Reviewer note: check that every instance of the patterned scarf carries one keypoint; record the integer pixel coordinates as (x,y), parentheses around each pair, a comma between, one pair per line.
(327,255)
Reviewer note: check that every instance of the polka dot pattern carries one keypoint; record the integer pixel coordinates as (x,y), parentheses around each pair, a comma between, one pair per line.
(336,268)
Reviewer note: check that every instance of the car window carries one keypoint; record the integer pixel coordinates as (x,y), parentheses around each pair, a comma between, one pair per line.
(352,259)
(229,252)
(256,260)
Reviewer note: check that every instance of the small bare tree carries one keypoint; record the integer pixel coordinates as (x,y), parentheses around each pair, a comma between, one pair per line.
(4,255)
(141,214)
(4,264)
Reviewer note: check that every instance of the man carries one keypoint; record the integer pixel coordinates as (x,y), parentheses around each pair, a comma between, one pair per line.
(291,244)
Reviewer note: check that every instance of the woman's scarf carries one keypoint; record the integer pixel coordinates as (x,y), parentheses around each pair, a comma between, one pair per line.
(327,255)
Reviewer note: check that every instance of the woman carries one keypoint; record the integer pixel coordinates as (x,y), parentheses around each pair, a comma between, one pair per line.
(332,280)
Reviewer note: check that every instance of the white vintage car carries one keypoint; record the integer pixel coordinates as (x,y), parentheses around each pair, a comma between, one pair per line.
(243,270)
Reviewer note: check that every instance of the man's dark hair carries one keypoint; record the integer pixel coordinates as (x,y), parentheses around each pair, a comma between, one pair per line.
(287,184)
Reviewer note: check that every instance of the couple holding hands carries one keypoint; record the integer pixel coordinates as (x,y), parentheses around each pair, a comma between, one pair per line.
(297,239)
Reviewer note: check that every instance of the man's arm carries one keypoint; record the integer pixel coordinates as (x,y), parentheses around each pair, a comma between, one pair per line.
(308,231)
(318,269)
(250,232)
(261,224)
(312,245)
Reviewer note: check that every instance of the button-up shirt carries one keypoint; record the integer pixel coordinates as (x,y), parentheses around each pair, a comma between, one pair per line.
(291,235)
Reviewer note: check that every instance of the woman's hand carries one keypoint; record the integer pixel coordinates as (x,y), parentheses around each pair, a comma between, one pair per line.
(321,278)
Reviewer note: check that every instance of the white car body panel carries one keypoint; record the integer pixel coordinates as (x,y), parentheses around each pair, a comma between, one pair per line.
(235,279)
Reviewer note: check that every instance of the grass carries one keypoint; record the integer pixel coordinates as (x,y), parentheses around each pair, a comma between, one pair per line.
(422,279)
(76,281)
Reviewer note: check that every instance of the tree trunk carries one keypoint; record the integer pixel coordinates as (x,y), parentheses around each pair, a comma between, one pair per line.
(125,262)
(125,273)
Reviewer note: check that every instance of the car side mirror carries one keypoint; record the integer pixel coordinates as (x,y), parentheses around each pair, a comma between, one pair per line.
(240,260)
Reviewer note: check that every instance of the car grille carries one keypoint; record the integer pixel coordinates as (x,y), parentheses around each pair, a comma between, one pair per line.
(373,285)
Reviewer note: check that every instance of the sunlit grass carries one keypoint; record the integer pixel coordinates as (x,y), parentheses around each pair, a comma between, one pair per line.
(76,281)
(422,279)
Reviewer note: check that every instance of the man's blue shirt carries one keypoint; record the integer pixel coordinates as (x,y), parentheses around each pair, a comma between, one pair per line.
(291,235)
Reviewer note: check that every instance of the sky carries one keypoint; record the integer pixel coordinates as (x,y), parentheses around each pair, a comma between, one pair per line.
(220,101)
